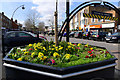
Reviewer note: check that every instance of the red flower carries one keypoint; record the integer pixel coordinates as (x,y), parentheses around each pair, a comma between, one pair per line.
(91,55)
(107,52)
(89,52)
(30,49)
(78,48)
(53,61)
(74,44)
(87,56)
(18,51)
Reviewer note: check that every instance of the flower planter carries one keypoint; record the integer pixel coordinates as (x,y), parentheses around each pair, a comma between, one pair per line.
(21,70)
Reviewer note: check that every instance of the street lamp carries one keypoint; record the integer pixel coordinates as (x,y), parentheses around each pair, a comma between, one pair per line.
(18,8)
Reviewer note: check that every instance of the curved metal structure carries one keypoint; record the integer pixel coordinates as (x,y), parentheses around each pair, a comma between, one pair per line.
(77,9)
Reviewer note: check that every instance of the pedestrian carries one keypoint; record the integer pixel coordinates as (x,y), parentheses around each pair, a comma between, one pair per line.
(109,33)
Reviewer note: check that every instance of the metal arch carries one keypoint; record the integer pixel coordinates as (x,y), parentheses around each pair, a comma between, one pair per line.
(117,10)
(73,16)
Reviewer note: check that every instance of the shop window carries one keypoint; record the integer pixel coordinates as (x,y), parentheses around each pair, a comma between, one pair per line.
(93,19)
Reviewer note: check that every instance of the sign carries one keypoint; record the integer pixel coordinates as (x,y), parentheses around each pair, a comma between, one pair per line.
(99,16)
(95,26)
(108,25)
(119,27)
(102,14)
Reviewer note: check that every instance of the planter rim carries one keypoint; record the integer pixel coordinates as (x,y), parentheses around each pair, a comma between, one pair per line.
(57,75)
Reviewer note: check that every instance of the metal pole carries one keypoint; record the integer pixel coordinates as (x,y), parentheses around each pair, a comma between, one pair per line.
(56,28)
(67,15)
(3,50)
(16,10)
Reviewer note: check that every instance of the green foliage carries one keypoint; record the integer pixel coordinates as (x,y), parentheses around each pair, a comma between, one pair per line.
(64,55)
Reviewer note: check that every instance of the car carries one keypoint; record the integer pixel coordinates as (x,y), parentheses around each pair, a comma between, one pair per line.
(78,34)
(115,37)
(98,36)
(51,33)
(86,35)
(72,34)
(20,38)
(65,34)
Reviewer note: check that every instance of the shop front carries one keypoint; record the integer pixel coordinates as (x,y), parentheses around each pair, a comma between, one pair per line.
(108,27)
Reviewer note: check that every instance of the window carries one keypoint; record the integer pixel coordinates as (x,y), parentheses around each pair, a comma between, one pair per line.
(11,35)
(98,20)
(24,35)
(93,20)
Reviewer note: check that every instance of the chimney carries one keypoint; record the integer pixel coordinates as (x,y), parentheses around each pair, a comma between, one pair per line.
(15,21)
(11,19)
(2,13)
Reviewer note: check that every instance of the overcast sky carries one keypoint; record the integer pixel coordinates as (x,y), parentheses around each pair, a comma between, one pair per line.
(45,8)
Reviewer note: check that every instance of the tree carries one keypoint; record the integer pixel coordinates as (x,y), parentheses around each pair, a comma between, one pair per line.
(51,22)
(41,26)
(32,21)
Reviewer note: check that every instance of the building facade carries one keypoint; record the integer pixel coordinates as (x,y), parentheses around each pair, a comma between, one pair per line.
(86,24)
(7,23)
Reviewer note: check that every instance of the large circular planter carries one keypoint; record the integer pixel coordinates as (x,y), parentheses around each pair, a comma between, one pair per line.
(20,70)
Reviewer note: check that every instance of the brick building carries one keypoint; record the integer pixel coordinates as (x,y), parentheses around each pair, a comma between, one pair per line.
(87,24)
(7,23)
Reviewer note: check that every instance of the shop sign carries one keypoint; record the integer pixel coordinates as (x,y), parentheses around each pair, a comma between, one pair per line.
(108,25)
(119,27)
(95,26)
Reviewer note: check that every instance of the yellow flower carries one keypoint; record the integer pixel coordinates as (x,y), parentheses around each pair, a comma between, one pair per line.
(26,53)
(43,58)
(69,46)
(66,49)
(32,54)
(56,49)
(67,56)
(30,45)
(44,48)
(60,48)
(56,54)
(53,45)
(40,54)
(79,44)
(19,59)
(91,48)
(24,50)
(52,48)
(86,45)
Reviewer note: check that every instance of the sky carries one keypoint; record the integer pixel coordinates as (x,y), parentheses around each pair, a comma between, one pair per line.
(45,8)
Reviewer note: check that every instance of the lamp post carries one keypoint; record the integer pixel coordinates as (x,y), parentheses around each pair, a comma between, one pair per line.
(67,15)
(17,9)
